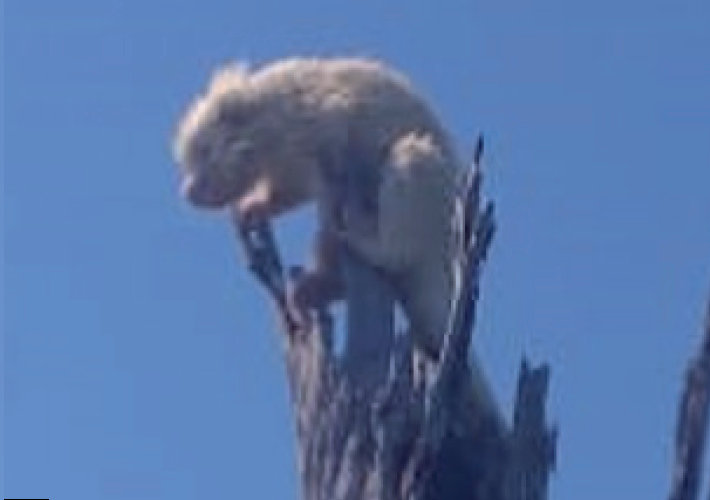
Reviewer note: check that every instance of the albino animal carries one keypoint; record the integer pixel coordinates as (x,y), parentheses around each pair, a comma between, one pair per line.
(352,136)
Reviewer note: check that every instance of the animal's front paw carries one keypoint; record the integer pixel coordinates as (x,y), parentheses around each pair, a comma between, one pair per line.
(312,291)
(308,291)
(304,295)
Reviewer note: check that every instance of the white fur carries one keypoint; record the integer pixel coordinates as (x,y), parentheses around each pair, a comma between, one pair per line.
(267,131)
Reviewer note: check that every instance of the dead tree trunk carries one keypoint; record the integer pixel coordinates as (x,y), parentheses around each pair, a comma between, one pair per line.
(370,425)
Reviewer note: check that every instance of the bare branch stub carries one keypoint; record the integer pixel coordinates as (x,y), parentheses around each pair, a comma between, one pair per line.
(533,444)
(691,426)
(264,262)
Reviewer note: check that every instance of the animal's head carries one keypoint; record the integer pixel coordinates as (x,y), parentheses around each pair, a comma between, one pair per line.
(213,146)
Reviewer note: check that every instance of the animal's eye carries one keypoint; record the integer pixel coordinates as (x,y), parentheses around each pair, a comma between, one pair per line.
(248,153)
(242,151)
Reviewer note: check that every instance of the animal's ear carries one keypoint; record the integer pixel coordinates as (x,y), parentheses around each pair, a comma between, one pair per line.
(230,76)
(231,92)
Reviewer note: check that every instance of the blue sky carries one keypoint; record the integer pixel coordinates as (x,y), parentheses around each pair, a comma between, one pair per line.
(141,361)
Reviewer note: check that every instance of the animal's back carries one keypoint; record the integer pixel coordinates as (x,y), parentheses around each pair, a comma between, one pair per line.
(377,104)
(388,127)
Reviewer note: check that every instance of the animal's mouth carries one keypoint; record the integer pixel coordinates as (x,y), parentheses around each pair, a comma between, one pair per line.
(201,193)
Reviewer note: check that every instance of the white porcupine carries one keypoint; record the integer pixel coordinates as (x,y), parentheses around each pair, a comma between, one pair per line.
(351,135)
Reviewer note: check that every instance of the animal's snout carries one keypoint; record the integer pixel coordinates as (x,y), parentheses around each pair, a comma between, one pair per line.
(201,193)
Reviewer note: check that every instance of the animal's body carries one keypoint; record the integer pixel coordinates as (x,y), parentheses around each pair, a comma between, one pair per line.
(351,135)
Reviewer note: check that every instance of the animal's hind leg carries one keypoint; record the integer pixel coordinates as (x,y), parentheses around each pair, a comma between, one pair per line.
(347,212)
(321,282)
(414,237)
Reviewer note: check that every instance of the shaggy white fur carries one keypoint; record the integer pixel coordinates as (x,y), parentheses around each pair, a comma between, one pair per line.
(351,135)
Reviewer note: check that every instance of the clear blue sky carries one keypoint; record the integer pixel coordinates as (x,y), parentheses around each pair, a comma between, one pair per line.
(141,361)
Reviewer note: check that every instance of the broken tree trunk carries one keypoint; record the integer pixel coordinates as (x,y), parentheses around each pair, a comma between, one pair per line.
(373,423)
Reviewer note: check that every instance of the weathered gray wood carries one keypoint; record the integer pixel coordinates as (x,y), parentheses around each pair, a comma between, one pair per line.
(369,326)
